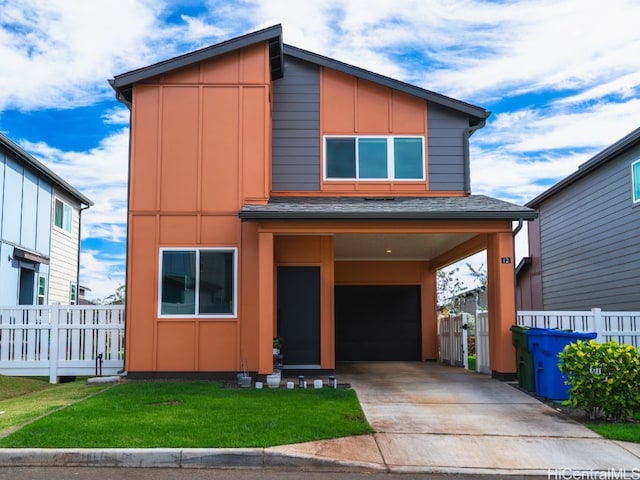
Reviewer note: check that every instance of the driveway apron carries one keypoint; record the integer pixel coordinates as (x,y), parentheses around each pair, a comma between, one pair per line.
(431,417)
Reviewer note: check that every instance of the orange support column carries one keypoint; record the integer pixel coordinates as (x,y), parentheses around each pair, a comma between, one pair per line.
(502,308)
(265,302)
(429,313)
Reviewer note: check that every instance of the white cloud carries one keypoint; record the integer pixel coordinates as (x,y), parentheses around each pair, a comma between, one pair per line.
(102,274)
(100,174)
(62,52)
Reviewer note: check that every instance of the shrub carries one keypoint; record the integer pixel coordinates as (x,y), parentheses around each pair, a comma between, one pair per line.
(603,378)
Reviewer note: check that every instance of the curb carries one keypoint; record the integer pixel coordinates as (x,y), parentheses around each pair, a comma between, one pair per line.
(229,458)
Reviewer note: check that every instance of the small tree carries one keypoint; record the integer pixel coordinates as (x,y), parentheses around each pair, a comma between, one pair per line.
(117,298)
(449,289)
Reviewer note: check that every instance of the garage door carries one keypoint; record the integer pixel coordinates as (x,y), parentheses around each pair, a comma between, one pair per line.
(378,323)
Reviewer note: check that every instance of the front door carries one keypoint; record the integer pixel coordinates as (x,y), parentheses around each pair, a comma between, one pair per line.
(26,295)
(299,315)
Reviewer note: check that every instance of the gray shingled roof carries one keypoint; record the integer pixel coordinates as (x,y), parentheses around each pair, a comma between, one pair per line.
(473,207)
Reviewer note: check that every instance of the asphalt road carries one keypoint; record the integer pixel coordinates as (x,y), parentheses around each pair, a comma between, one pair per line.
(81,473)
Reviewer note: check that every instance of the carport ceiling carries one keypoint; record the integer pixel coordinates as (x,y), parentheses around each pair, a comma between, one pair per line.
(395,246)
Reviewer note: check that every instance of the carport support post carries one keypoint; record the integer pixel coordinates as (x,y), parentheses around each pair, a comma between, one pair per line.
(502,308)
(265,302)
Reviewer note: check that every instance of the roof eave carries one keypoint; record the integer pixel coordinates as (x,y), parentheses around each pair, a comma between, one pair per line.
(388,216)
(122,84)
(478,114)
(34,164)
(628,141)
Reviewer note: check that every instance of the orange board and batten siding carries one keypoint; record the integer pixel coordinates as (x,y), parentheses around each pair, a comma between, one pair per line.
(201,138)
(352,106)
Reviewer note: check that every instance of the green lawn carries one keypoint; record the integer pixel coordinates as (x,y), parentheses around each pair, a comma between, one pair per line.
(192,415)
(628,432)
(472,362)
(27,399)
(15,386)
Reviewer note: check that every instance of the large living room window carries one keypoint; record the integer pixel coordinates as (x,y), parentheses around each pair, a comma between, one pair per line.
(374,158)
(198,282)
(635,179)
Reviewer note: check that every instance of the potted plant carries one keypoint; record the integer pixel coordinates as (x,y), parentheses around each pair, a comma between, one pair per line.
(244,379)
(277,345)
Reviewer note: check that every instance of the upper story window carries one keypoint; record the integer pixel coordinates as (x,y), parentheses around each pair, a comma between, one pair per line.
(374,158)
(198,282)
(62,215)
(635,180)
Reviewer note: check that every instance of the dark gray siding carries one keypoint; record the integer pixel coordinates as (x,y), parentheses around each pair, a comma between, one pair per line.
(446,148)
(296,127)
(590,243)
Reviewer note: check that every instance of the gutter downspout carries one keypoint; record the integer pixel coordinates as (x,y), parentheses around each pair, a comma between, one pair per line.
(79,242)
(467,156)
(518,228)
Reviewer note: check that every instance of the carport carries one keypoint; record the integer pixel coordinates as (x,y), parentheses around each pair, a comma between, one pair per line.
(369,291)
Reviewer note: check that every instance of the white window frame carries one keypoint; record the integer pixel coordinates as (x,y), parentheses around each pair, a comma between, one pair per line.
(42,297)
(73,290)
(635,181)
(390,159)
(65,207)
(197,250)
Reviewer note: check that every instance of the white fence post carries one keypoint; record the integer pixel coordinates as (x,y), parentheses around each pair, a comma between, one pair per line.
(54,317)
(465,340)
(598,324)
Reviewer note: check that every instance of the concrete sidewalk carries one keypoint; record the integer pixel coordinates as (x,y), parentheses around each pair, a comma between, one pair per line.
(428,418)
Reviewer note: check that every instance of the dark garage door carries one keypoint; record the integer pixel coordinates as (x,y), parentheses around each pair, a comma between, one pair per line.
(378,323)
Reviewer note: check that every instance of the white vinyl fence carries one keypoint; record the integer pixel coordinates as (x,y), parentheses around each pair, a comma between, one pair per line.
(61,340)
(453,332)
(482,342)
(621,327)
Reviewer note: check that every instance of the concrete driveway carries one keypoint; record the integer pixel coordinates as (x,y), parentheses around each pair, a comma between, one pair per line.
(433,418)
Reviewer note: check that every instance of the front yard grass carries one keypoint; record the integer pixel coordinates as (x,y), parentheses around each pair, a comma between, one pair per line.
(195,415)
(627,432)
(26,400)
(16,386)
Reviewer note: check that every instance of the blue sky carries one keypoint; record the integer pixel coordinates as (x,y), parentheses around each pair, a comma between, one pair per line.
(561,78)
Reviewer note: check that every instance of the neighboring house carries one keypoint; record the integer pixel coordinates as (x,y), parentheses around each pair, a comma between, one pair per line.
(473,300)
(584,247)
(39,231)
(274,191)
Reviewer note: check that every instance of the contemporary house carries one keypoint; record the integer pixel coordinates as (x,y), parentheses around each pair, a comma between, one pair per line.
(584,246)
(39,231)
(274,191)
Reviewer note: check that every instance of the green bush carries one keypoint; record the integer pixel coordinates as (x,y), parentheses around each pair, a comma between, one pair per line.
(603,378)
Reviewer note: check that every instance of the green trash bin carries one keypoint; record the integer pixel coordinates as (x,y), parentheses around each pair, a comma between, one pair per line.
(524,358)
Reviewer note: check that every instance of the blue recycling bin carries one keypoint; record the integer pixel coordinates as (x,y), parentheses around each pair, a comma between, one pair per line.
(545,344)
